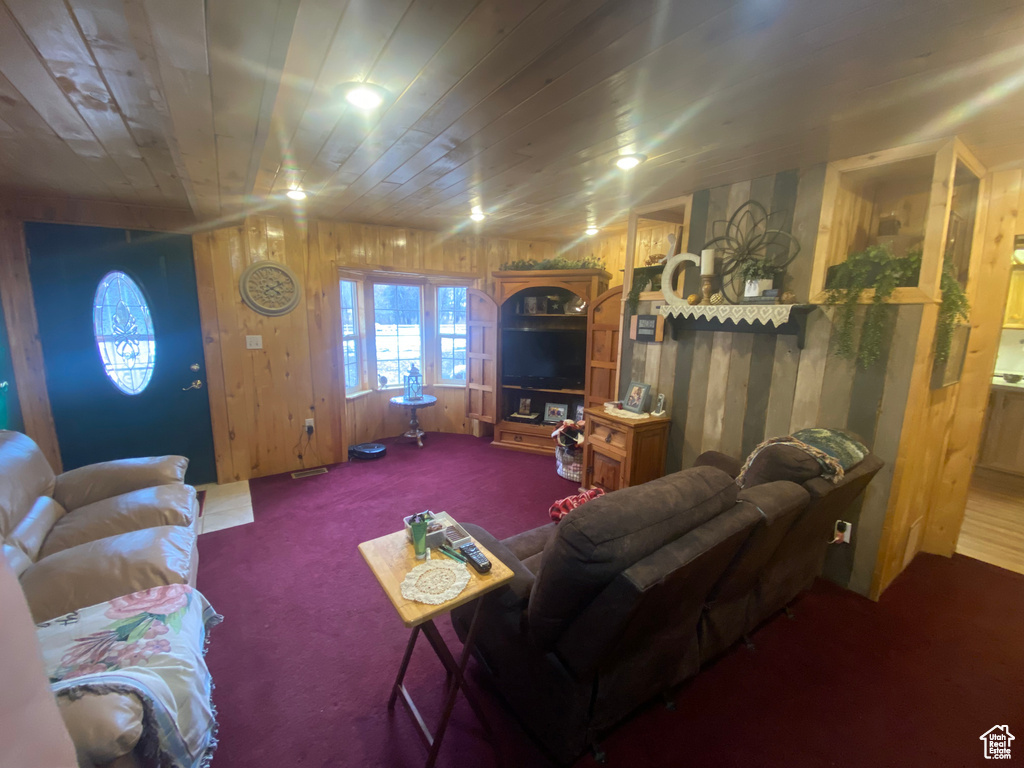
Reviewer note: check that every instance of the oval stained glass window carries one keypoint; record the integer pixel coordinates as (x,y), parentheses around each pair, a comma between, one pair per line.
(124,332)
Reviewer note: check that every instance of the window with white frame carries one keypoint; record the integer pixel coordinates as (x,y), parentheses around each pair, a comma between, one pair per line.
(451,332)
(398,331)
(350,335)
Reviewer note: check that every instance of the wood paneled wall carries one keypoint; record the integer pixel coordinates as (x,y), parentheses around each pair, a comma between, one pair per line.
(987,290)
(23,333)
(261,398)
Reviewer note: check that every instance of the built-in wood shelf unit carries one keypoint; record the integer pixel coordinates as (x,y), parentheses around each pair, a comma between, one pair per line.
(511,289)
(916,197)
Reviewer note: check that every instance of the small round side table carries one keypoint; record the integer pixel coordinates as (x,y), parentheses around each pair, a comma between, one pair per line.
(414,425)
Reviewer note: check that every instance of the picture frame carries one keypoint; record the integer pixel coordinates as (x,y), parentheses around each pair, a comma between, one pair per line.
(524,406)
(636,397)
(579,412)
(555,412)
(535,305)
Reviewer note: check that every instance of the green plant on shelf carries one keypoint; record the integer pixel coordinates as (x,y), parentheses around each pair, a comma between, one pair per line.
(759,269)
(555,262)
(874,268)
(642,277)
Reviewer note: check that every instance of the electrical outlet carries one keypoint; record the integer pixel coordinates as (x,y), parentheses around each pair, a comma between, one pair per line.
(254,342)
(843,532)
(309,423)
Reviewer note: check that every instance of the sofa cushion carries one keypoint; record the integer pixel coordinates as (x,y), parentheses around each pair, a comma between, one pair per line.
(107,568)
(600,539)
(29,534)
(147,508)
(95,482)
(102,726)
(531,542)
(17,560)
(781,462)
(25,475)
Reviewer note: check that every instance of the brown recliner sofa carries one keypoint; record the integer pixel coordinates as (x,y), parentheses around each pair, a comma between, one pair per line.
(97,532)
(632,592)
(787,553)
(602,614)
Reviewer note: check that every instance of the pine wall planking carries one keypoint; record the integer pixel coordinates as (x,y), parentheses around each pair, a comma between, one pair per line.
(260,399)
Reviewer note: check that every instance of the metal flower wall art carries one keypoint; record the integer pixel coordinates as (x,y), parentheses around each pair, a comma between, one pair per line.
(751,235)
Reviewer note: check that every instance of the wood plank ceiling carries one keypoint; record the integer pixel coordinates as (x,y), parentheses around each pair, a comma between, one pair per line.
(217,108)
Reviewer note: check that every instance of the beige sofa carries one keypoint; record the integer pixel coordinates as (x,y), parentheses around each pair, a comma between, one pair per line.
(85,537)
(97,532)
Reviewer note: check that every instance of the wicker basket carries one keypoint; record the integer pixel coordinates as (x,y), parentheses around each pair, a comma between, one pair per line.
(569,463)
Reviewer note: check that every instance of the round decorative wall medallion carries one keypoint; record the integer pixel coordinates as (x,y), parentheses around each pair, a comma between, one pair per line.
(269,288)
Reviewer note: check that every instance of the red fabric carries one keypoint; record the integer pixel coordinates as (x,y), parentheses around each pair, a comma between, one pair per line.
(310,645)
(563,507)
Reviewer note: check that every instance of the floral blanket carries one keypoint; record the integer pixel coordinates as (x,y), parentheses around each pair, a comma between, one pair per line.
(149,644)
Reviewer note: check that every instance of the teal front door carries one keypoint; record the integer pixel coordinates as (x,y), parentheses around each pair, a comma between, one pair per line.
(119,325)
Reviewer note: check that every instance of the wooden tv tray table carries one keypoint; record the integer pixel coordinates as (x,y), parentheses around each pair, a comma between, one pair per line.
(390,558)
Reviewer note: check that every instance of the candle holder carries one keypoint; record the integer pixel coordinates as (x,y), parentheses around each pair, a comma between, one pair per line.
(707,287)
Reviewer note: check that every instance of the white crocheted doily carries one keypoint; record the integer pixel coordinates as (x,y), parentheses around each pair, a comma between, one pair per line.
(622,413)
(435,582)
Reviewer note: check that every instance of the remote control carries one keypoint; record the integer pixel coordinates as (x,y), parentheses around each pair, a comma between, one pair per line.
(475,557)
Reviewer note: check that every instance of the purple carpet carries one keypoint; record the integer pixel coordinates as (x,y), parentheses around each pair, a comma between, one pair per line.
(310,645)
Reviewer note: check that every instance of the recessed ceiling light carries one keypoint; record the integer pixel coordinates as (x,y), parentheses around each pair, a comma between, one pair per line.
(365,96)
(626,162)
(296,194)
(592,230)
(477,213)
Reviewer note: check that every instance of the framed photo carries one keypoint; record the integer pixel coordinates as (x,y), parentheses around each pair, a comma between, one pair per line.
(524,406)
(579,412)
(535,305)
(636,396)
(555,412)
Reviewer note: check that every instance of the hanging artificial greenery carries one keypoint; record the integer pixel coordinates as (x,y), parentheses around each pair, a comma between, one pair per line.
(873,268)
(555,262)
(642,277)
(954,308)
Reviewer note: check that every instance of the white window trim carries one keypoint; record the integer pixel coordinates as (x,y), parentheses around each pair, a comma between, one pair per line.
(429,335)
(358,338)
(441,381)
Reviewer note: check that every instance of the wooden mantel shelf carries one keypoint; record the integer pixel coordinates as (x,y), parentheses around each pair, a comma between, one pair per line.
(789,319)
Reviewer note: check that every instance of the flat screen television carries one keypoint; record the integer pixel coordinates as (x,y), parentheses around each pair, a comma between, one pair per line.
(546,359)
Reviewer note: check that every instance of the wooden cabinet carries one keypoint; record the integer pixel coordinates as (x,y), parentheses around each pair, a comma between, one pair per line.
(1002,444)
(541,322)
(620,452)
(1015,302)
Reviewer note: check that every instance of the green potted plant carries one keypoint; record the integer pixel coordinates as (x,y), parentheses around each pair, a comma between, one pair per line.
(758,276)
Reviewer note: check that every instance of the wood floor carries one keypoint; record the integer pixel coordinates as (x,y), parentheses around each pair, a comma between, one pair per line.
(993,529)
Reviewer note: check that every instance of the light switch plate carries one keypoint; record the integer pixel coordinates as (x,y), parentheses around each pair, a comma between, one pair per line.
(254,342)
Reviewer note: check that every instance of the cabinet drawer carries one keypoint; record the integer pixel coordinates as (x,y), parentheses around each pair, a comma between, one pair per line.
(510,437)
(608,434)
